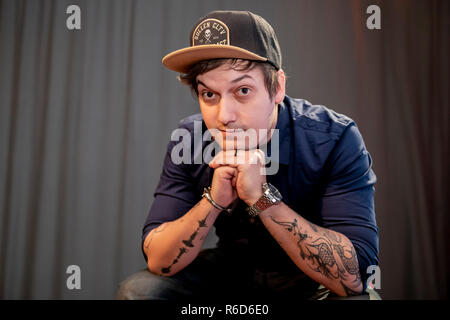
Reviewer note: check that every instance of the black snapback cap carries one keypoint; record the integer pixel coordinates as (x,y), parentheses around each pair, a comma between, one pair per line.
(227,34)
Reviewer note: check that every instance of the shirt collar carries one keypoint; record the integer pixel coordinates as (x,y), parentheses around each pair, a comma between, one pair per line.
(284,134)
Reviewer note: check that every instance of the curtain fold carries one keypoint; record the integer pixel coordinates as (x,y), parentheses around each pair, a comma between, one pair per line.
(85,116)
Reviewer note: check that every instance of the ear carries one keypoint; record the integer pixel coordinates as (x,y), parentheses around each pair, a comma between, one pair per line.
(281,90)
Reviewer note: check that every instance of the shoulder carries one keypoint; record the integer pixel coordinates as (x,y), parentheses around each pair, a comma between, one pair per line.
(187,143)
(317,118)
(187,129)
(319,131)
(189,122)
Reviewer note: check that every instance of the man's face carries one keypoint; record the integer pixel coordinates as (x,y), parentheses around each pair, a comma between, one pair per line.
(235,102)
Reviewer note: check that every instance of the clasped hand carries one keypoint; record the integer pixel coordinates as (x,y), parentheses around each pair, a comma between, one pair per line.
(238,174)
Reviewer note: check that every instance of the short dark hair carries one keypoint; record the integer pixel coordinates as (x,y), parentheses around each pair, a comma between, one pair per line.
(269,72)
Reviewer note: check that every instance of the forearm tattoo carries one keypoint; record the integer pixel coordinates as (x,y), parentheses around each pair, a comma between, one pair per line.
(188,243)
(320,249)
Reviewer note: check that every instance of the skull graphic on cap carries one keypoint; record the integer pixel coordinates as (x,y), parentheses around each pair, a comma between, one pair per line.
(207,35)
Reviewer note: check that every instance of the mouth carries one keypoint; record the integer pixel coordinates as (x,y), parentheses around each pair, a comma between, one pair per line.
(231,131)
(244,139)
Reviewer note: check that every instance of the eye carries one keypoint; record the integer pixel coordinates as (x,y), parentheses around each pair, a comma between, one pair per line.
(208,95)
(244,91)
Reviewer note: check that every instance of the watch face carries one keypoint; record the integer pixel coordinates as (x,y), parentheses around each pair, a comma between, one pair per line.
(275,193)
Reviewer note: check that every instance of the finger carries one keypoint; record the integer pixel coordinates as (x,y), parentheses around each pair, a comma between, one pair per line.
(223,158)
(241,157)
(249,157)
(227,172)
(257,157)
(233,181)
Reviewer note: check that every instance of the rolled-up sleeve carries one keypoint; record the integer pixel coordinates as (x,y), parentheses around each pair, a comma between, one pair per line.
(347,205)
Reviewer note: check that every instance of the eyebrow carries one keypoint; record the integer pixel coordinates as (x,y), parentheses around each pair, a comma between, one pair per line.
(199,82)
(242,77)
(232,81)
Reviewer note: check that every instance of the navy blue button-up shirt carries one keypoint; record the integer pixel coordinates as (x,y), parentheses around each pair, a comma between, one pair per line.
(324,175)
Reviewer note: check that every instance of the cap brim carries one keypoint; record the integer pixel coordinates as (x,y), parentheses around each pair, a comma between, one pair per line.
(181,60)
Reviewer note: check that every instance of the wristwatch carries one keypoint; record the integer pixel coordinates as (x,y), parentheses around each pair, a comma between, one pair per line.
(271,196)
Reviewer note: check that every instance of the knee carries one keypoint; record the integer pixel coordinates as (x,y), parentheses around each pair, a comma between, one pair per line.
(138,286)
(145,285)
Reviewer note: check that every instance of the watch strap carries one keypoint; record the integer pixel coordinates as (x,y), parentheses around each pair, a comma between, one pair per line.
(262,204)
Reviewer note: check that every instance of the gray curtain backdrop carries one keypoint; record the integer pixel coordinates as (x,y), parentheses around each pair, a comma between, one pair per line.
(86,115)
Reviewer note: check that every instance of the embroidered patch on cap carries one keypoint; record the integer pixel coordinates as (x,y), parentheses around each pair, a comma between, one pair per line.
(211,31)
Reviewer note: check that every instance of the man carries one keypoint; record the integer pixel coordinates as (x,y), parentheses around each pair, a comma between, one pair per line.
(309,223)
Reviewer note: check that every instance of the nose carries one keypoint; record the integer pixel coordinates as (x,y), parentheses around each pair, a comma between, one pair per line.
(227,112)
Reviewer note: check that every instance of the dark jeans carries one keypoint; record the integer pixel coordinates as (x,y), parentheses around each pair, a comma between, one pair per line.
(222,275)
